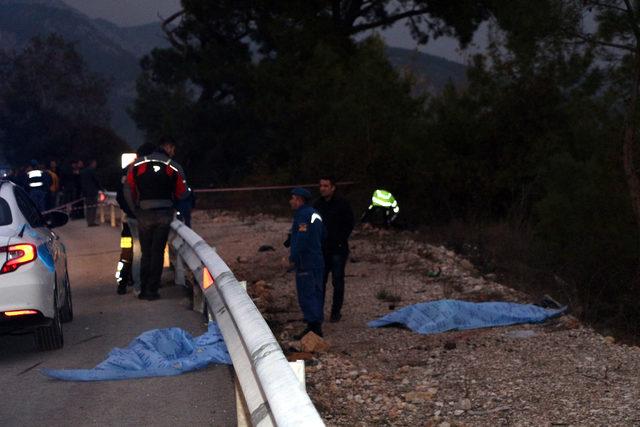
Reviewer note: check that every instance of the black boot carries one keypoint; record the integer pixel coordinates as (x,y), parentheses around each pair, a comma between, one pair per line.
(303,333)
(122,288)
(316,328)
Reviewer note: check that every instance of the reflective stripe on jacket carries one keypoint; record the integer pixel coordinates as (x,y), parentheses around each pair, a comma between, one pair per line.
(156,182)
(38,180)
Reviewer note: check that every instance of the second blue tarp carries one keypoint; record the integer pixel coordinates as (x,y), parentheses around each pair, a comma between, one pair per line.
(156,353)
(448,315)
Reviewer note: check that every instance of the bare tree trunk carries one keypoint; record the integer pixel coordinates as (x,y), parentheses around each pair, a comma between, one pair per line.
(628,145)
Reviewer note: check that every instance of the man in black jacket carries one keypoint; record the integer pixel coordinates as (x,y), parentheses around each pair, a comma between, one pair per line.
(156,182)
(90,189)
(337,217)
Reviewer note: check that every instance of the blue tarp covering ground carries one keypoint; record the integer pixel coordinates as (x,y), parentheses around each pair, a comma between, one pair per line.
(448,315)
(155,353)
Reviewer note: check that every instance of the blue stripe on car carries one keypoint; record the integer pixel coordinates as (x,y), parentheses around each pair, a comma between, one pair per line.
(45,256)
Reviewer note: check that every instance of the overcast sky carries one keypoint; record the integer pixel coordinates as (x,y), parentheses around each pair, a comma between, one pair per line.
(136,12)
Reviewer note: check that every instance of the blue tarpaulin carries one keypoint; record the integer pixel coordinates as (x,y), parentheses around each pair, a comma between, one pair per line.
(155,353)
(448,315)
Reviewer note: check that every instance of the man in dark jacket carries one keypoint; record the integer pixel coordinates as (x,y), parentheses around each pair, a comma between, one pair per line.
(75,189)
(128,269)
(38,182)
(90,189)
(307,234)
(337,217)
(156,182)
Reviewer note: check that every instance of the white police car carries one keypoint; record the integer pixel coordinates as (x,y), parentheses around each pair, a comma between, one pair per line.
(35,294)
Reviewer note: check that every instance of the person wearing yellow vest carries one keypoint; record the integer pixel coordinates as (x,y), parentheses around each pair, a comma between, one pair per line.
(383,209)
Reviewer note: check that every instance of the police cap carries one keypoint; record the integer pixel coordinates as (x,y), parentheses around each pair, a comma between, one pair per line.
(302,192)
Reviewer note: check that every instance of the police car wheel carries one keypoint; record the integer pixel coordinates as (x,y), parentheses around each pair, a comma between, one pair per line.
(66,311)
(50,337)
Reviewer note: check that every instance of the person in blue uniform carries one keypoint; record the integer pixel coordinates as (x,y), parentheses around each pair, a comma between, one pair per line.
(307,235)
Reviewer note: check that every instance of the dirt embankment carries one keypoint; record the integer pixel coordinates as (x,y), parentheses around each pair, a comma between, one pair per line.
(557,373)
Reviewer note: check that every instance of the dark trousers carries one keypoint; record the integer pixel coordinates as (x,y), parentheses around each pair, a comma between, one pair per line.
(334,263)
(39,197)
(310,294)
(378,216)
(72,194)
(124,273)
(91,206)
(154,230)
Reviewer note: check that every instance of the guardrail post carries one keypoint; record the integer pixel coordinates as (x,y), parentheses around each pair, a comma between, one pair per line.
(179,274)
(112,214)
(298,369)
(242,412)
(197,299)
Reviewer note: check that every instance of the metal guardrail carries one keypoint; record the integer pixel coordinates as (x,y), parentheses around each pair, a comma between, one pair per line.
(271,390)
(109,202)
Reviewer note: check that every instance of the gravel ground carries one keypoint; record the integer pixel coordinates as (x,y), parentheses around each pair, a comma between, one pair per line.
(557,373)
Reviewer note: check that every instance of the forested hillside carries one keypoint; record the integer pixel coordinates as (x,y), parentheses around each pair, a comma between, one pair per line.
(115,51)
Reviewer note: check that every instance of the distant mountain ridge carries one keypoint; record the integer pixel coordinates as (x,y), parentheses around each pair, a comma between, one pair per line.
(109,50)
(431,72)
(138,40)
(115,52)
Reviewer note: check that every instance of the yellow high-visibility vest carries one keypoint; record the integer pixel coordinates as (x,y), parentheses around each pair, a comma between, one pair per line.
(385,199)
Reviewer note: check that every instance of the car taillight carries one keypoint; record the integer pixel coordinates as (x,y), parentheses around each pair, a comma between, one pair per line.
(15,313)
(17,255)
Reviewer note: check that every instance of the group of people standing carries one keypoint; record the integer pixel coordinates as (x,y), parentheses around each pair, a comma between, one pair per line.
(50,186)
(154,186)
(319,247)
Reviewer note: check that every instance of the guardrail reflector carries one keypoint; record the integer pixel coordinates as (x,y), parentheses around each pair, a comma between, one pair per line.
(207,279)
(167,261)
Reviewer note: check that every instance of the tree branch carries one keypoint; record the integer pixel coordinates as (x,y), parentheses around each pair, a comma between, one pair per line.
(169,33)
(607,6)
(387,21)
(354,10)
(335,10)
(632,20)
(586,39)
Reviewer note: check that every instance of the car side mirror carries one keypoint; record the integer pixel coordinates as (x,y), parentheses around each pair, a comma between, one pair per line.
(55,219)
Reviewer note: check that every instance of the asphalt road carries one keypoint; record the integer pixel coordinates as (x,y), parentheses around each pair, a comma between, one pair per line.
(104,320)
